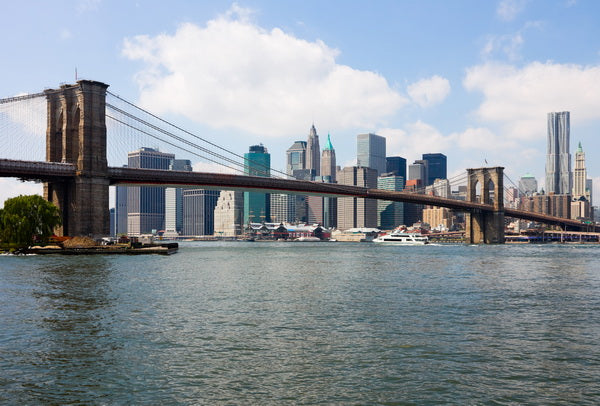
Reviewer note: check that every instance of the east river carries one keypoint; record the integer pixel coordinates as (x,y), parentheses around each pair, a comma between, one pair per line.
(304,323)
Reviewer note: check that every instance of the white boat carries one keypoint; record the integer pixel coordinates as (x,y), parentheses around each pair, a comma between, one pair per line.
(309,239)
(400,238)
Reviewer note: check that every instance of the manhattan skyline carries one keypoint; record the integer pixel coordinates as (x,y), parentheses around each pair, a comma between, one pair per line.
(471,80)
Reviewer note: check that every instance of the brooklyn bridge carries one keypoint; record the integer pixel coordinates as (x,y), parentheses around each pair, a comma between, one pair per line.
(84,120)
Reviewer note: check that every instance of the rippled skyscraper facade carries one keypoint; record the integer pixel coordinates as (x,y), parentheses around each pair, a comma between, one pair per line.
(558,159)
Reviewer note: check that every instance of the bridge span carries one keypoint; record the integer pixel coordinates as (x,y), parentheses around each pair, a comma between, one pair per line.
(57,172)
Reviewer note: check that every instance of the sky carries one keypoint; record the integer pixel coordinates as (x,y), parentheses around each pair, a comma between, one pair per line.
(472,79)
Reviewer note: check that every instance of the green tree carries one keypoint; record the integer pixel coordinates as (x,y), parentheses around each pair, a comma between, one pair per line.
(26,217)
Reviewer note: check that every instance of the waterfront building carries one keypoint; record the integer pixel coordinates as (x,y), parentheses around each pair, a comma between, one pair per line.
(551,204)
(396,165)
(438,218)
(413,213)
(313,152)
(528,184)
(370,150)
(121,210)
(558,158)
(257,206)
(198,211)
(296,157)
(355,212)
(146,204)
(390,214)
(283,207)
(112,214)
(229,214)
(436,167)
(174,201)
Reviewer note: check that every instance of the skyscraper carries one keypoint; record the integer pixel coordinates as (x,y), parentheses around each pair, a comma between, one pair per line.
(396,165)
(229,213)
(390,214)
(328,175)
(558,158)
(352,211)
(296,157)
(257,206)
(198,211)
(121,210)
(328,161)
(579,174)
(528,184)
(370,150)
(436,167)
(146,204)
(174,201)
(313,152)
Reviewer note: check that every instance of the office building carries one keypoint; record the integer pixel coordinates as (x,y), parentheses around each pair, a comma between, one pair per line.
(229,214)
(580,175)
(417,171)
(528,184)
(390,214)
(121,210)
(174,201)
(146,204)
(436,167)
(198,211)
(283,208)
(296,157)
(355,212)
(396,165)
(257,206)
(313,152)
(328,163)
(370,150)
(589,186)
(112,215)
(558,158)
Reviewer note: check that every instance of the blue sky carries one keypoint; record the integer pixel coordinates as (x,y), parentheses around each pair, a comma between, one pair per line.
(471,79)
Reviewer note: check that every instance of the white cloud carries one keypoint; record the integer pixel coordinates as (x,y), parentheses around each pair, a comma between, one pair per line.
(507,10)
(414,140)
(234,74)
(428,92)
(518,99)
(65,34)
(509,45)
(88,5)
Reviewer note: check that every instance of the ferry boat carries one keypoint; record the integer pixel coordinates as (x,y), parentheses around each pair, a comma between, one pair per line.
(402,238)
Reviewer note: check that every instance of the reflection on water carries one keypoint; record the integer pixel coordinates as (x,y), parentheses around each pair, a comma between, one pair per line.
(273,323)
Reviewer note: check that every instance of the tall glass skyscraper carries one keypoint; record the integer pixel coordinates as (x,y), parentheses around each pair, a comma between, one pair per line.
(436,167)
(396,165)
(370,150)
(146,204)
(559,178)
(296,157)
(390,214)
(257,206)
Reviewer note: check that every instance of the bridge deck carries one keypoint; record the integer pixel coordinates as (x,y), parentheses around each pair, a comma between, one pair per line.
(53,171)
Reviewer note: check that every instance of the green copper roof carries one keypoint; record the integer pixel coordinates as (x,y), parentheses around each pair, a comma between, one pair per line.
(328,146)
(579,149)
(528,175)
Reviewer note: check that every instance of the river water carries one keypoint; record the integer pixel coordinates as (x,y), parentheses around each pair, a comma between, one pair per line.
(304,323)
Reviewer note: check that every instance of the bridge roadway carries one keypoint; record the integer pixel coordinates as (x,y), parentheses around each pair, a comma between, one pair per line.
(53,171)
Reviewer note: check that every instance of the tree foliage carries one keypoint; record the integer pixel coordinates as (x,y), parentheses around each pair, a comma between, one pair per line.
(24,218)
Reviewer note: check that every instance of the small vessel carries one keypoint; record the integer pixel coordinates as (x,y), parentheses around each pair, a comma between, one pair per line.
(402,238)
(308,239)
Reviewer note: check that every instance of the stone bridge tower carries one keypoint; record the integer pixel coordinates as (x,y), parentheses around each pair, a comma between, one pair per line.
(485,185)
(76,134)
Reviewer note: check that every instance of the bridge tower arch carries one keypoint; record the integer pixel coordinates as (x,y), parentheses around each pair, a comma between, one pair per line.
(76,134)
(484,226)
